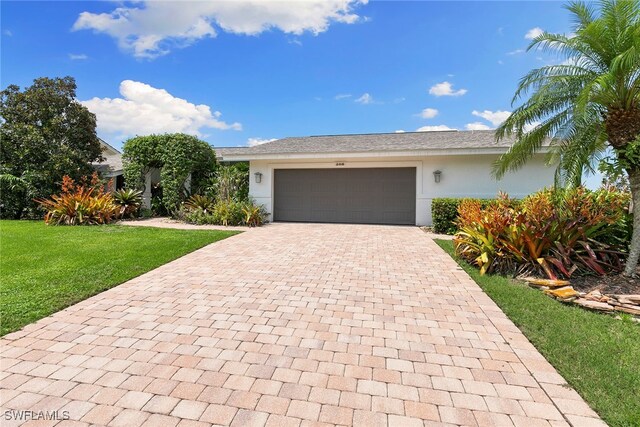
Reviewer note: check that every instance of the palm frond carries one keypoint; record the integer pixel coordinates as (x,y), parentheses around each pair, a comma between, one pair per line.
(600,72)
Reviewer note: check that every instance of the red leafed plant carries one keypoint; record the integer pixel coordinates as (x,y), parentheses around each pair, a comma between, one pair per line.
(558,233)
(84,203)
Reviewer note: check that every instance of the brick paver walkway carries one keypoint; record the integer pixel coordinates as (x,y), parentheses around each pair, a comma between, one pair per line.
(292,324)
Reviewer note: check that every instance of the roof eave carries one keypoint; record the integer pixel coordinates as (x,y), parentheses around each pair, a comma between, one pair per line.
(243,157)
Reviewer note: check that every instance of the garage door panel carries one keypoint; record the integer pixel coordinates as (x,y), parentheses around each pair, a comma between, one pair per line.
(362,195)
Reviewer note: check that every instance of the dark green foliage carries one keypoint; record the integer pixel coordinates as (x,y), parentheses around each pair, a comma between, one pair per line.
(230,182)
(226,201)
(242,192)
(45,133)
(176,155)
(444,213)
(596,353)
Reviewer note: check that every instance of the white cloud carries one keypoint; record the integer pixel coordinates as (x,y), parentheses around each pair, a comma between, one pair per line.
(143,110)
(365,99)
(78,56)
(151,28)
(342,96)
(400,131)
(533,33)
(428,113)
(516,52)
(445,89)
(437,128)
(7,33)
(495,117)
(252,142)
(476,126)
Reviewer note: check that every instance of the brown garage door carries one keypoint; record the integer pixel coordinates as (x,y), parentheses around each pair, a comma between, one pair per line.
(362,196)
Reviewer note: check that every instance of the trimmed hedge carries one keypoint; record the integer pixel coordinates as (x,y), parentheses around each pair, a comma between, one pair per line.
(444,213)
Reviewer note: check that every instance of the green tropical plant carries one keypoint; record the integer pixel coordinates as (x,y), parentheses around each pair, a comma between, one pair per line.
(231,182)
(228,213)
(588,104)
(225,213)
(200,202)
(128,201)
(254,215)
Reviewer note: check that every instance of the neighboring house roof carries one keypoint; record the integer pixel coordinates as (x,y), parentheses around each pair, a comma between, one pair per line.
(108,149)
(222,151)
(445,141)
(112,164)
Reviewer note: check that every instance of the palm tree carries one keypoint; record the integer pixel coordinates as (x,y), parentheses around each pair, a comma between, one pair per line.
(588,106)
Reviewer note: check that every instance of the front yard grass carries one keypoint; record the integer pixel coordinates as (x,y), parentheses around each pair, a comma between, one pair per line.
(44,269)
(598,355)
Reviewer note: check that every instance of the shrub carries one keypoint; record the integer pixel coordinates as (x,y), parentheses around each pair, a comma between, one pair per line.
(254,215)
(128,202)
(444,213)
(230,182)
(80,204)
(177,156)
(560,234)
(197,201)
(226,213)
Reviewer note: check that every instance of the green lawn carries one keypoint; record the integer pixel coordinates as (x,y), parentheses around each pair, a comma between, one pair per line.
(598,355)
(44,269)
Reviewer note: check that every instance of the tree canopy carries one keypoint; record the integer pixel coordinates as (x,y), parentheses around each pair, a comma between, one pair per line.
(45,134)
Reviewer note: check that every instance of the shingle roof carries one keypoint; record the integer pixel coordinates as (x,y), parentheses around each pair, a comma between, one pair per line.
(221,151)
(110,165)
(405,141)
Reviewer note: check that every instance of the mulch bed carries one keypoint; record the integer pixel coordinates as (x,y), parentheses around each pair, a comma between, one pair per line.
(617,284)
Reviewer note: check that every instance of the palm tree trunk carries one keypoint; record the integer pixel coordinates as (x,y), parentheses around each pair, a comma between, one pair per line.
(634,247)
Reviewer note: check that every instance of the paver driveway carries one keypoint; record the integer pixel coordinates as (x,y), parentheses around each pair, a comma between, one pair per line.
(291,324)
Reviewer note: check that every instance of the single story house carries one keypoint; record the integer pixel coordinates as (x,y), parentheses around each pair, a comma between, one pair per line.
(388,178)
(111,166)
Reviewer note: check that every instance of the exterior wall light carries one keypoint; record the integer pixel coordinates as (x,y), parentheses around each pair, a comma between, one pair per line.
(436,175)
(258,176)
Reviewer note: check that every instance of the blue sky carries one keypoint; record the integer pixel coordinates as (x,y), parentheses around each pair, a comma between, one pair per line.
(242,72)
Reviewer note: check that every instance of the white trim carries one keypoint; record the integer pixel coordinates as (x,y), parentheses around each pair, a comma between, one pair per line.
(243,157)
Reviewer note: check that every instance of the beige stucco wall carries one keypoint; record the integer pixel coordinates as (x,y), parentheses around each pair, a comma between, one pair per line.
(462,176)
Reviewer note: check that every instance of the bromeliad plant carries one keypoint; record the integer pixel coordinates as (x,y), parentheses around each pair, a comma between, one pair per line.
(199,202)
(128,202)
(86,203)
(560,234)
(254,215)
